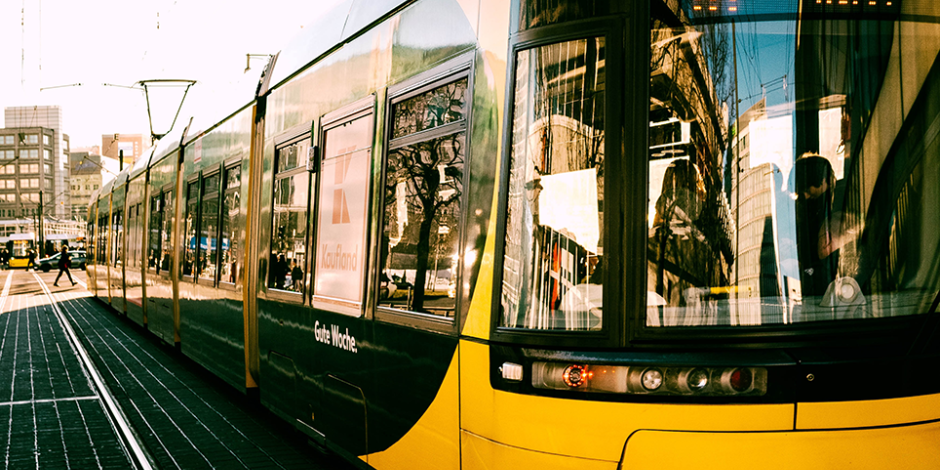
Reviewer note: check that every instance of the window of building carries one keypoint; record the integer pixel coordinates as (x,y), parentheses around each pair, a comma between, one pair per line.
(10,169)
(423,192)
(289,232)
(29,153)
(7,154)
(47,154)
(96,186)
(32,139)
(229,248)
(47,168)
(7,140)
(48,184)
(46,139)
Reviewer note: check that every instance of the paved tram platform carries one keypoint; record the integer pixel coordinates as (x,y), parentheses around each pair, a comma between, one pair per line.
(83,388)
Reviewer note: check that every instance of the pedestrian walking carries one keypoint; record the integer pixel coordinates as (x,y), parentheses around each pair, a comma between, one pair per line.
(64,259)
(32,260)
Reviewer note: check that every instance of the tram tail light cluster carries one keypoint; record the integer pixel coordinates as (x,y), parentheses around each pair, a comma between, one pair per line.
(650,380)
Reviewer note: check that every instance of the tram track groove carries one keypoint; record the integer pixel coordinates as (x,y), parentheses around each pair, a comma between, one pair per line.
(128,438)
(16,339)
(154,362)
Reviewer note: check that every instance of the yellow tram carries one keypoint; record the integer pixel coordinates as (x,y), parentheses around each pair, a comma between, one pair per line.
(562,234)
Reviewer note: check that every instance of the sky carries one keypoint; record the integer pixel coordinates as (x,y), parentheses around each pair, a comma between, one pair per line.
(47,46)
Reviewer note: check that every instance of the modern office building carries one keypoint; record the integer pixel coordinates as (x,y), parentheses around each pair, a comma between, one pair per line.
(27,167)
(53,148)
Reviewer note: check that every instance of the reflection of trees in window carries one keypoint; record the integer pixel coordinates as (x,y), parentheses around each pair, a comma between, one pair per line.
(535,13)
(288,235)
(423,188)
(689,246)
(553,267)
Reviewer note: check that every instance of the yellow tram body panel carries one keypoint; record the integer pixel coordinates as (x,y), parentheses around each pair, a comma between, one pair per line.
(480,453)
(433,441)
(907,447)
(583,429)
(869,413)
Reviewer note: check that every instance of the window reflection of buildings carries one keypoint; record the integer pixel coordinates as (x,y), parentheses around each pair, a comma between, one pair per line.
(758,279)
(682,88)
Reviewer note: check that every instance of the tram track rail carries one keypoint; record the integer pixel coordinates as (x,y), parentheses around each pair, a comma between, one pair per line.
(128,438)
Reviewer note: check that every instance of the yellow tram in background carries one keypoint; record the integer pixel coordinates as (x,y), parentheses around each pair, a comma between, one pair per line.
(561,234)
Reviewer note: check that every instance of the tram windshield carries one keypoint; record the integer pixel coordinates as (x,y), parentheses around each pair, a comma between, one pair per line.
(794,161)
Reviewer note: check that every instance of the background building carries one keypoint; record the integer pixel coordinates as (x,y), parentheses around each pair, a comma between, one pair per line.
(48,117)
(89,172)
(131,144)
(26,168)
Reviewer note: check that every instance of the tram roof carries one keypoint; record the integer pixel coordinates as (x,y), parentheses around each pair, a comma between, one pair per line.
(143,162)
(169,142)
(121,177)
(344,21)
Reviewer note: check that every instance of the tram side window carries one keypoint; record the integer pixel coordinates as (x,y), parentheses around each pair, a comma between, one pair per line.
(155,250)
(138,237)
(102,240)
(288,235)
(554,252)
(419,258)
(189,239)
(343,200)
(209,228)
(90,246)
(228,247)
(117,232)
(132,232)
(166,232)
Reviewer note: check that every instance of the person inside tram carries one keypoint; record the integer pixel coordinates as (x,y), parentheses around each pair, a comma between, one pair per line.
(297,278)
(817,224)
(279,269)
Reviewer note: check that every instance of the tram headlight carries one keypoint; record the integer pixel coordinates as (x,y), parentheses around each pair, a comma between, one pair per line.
(575,375)
(581,377)
(697,380)
(652,379)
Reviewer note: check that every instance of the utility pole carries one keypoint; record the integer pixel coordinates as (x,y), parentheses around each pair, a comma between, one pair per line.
(42,241)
